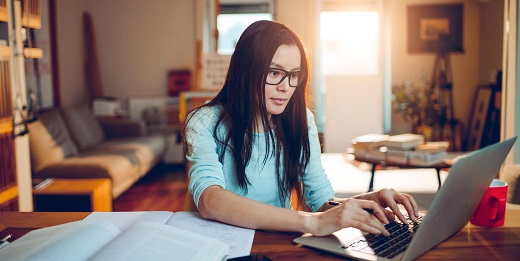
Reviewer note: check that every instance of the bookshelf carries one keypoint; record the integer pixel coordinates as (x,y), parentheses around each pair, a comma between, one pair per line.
(5,52)
(8,185)
(32,53)
(29,17)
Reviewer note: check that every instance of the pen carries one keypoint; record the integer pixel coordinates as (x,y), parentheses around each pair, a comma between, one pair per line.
(4,242)
(4,239)
(335,203)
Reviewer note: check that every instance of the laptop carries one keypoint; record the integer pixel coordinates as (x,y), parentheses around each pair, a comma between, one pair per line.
(460,195)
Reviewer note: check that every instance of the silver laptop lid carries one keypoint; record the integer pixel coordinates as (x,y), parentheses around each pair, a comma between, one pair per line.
(458,197)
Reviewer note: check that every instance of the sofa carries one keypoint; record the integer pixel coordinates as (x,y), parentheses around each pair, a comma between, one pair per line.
(73,143)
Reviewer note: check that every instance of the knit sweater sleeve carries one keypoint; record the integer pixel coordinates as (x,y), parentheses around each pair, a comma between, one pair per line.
(205,167)
(317,189)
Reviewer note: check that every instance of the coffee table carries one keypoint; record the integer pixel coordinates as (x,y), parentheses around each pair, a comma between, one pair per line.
(384,163)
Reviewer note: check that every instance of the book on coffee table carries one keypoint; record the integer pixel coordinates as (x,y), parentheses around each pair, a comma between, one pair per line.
(404,141)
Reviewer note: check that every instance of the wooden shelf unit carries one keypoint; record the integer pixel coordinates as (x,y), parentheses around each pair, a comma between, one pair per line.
(31,16)
(4,15)
(5,52)
(8,183)
(34,53)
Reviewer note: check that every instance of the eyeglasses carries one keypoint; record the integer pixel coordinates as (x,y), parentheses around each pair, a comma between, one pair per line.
(276,76)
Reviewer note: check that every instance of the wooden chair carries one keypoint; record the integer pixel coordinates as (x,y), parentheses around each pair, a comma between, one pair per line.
(191,100)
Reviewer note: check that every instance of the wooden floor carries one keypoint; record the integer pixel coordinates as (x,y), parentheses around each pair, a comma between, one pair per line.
(164,188)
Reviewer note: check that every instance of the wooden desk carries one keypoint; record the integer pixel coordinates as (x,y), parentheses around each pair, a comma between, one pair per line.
(471,243)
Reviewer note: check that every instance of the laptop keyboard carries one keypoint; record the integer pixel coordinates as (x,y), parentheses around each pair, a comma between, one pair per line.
(399,239)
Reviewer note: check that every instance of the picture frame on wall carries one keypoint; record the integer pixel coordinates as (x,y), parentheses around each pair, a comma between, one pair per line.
(435,28)
(478,116)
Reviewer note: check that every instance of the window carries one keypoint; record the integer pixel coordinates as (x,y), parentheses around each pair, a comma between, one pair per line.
(349,42)
(233,19)
(355,77)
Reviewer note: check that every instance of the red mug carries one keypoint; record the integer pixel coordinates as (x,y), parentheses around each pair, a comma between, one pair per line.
(491,210)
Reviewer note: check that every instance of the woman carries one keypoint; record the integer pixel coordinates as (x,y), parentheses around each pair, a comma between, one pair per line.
(256,143)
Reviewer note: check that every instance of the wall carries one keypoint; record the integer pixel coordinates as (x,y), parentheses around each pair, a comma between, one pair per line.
(465,66)
(347,96)
(137,42)
(70,51)
(403,65)
(491,39)
(290,12)
(510,121)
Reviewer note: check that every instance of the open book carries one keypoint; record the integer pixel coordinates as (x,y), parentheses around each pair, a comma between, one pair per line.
(155,235)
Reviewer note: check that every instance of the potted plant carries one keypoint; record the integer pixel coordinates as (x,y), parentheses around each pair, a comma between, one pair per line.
(418,104)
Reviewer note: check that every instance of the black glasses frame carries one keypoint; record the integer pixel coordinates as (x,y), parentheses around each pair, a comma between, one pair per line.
(287,74)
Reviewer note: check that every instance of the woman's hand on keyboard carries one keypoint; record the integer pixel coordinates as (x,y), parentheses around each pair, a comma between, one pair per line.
(389,198)
(366,215)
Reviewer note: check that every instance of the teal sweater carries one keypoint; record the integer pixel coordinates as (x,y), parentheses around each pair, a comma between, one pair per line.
(206,169)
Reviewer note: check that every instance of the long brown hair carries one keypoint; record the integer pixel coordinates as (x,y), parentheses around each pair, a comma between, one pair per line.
(242,99)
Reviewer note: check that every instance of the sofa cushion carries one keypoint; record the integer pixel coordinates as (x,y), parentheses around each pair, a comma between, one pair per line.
(147,150)
(84,127)
(121,168)
(49,140)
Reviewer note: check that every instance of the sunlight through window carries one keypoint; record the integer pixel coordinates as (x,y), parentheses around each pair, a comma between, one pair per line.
(349,43)
(231,26)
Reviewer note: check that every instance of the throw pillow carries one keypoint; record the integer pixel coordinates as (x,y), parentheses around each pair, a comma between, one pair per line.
(49,140)
(83,126)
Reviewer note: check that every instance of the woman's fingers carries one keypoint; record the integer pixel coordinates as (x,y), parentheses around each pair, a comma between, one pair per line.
(369,229)
(368,212)
(375,209)
(373,216)
(406,201)
(391,198)
(389,214)
(413,211)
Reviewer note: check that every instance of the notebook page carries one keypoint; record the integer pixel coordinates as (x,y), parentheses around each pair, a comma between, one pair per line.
(153,241)
(124,219)
(71,241)
(239,239)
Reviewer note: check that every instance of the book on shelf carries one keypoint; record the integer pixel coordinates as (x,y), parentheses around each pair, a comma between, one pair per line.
(404,141)
(369,141)
(149,235)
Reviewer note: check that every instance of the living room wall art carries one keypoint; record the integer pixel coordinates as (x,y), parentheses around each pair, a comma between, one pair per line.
(435,28)
(479,111)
